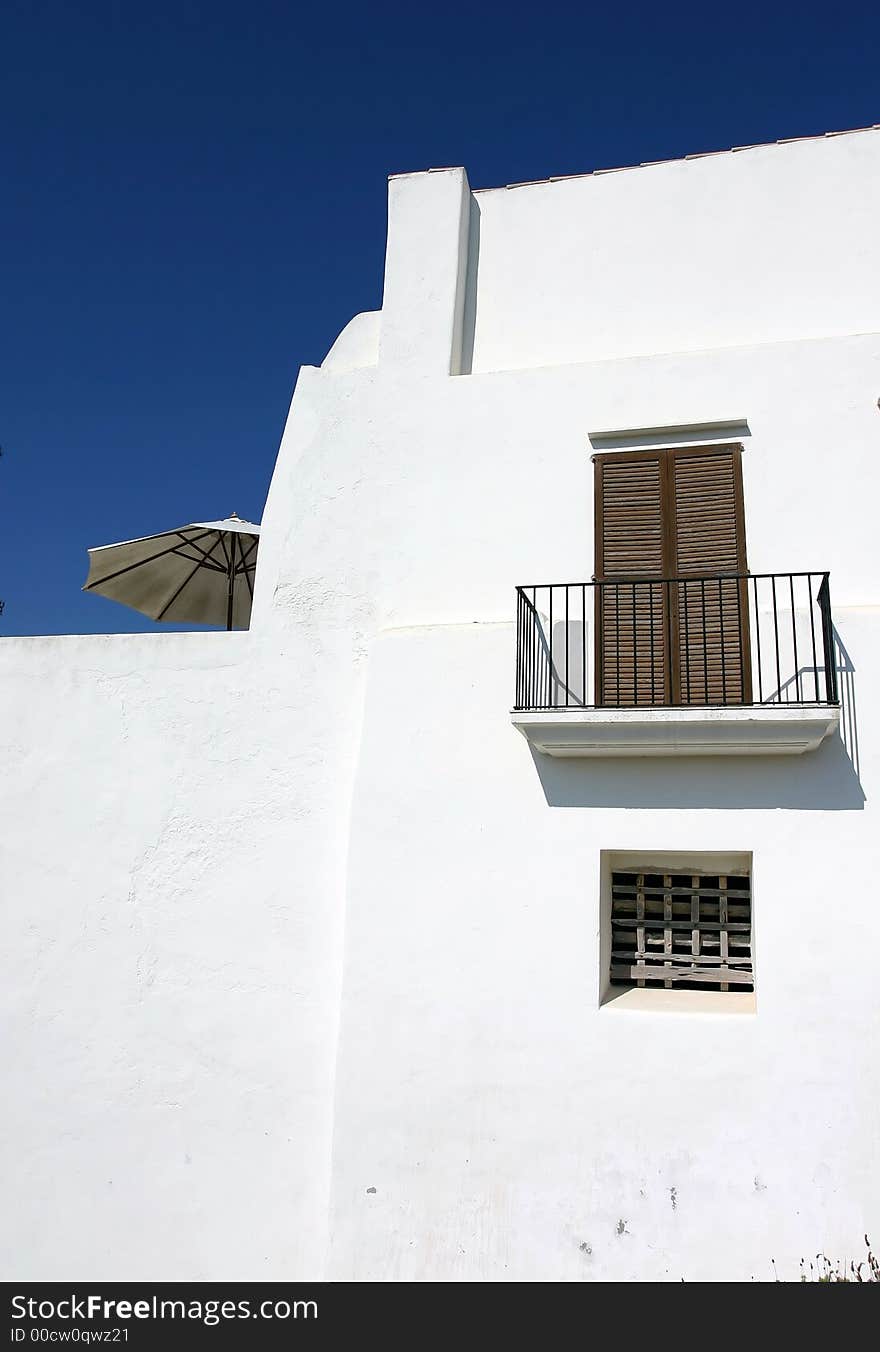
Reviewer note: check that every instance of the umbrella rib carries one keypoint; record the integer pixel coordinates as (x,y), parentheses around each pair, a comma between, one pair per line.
(244,565)
(170,602)
(215,563)
(212,563)
(246,553)
(99,581)
(206,561)
(222,543)
(250,585)
(203,560)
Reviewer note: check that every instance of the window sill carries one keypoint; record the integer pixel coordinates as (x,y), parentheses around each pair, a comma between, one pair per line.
(656,1000)
(764,730)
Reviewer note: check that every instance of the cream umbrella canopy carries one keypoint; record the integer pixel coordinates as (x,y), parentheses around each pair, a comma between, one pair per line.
(197,574)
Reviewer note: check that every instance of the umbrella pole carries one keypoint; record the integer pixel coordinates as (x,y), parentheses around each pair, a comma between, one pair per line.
(230,586)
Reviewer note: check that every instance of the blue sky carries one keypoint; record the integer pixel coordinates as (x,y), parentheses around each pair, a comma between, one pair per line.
(193,205)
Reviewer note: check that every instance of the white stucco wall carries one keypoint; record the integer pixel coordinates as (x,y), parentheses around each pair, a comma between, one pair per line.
(171,885)
(294,914)
(507,1123)
(762,244)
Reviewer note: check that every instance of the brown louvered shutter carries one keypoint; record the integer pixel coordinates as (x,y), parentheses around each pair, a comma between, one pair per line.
(631,659)
(671,514)
(707,538)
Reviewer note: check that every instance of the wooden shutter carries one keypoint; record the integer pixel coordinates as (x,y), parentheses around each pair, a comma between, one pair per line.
(707,538)
(671,514)
(631,655)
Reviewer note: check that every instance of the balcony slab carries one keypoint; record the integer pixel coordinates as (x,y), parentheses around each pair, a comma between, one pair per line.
(764,730)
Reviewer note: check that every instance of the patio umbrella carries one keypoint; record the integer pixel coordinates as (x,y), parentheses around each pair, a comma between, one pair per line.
(198,574)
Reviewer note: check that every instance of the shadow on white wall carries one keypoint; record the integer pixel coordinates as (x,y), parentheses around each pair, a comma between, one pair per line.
(469,311)
(846,693)
(821,780)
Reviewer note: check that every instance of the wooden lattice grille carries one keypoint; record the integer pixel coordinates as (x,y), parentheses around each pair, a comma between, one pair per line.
(682,930)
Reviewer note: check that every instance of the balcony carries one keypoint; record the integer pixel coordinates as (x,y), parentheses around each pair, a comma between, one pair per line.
(728,664)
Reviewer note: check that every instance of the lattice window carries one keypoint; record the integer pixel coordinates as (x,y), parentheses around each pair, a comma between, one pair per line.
(682,930)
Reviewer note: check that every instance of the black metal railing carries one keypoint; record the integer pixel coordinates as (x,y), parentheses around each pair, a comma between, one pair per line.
(725,639)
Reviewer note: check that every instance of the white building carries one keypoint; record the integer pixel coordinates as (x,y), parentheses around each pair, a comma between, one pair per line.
(307,951)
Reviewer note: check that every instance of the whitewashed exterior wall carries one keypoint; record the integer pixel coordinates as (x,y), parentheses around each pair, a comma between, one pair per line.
(301,962)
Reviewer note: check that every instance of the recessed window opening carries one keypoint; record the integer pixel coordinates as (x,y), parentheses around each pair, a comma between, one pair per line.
(681,930)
